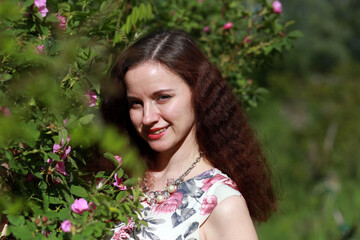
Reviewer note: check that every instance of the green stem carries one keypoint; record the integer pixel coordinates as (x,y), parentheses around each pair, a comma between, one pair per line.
(118,22)
(108,179)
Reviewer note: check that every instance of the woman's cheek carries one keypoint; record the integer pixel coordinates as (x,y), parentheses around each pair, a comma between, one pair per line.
(135,117)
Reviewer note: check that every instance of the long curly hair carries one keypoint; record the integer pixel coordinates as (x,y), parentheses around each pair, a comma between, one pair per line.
(222,129)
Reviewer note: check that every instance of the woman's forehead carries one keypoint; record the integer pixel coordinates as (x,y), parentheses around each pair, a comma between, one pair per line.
(150,77)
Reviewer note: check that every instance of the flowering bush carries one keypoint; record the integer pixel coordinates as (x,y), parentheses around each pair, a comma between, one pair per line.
(63,173)
(240,37)
(57,171)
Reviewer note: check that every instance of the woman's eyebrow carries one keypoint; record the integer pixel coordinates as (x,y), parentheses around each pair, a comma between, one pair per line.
(156,93)
(166,90)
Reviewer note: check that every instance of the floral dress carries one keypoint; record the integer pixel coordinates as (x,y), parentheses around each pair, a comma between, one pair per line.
(180,216)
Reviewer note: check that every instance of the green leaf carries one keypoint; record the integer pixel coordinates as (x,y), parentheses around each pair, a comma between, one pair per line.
(5,77)
(120,173)
(101,174)
(78,191)
(131,182)
(65,7)
(86,119)
(295,34)
(52,18)
(31,134)
(46,203)
(127,208)
(103,5)
(268,49)
(121,195)
(142,11)
(16,220)
(149,11)
(63,214)
(112,158)
(21,232)
(54,156)
(69,198)
(56,200)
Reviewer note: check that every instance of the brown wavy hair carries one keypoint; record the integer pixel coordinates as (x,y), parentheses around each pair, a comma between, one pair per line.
(222,129)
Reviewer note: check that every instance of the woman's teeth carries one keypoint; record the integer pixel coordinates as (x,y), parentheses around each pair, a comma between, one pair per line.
(159,131)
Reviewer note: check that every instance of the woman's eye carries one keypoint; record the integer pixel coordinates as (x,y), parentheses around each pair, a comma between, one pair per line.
(162,98)
(134,104)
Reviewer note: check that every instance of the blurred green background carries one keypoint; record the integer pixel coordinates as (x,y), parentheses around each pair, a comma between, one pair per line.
(308,121)
(309,124)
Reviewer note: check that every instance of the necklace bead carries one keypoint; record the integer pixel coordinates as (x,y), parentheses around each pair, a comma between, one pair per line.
(171,188)
(160,198)
(153,197)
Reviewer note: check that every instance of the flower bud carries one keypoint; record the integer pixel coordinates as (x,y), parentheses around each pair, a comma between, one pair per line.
(206,29)
(277,7)
(66,226)
(37,221)
(228,25)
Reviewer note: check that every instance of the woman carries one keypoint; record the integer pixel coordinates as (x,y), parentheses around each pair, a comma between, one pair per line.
(207,177)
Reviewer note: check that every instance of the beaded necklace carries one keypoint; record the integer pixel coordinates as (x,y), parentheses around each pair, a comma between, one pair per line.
(157,197)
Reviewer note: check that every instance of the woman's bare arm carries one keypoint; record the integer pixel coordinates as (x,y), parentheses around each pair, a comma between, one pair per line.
(230,220)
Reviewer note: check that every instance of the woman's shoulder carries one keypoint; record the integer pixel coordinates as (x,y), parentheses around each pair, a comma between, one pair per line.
(230,220)
(215,182)
(224,209)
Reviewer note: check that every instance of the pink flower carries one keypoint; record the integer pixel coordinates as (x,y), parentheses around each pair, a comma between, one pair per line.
(64,151)
(250,81)
(62,22)
(208,182)
(92,97)
(119,159)
(40,49)
(79,206)
(92,204)
(123,232)
(228,25)
(119,183)
(208,204)
(45,233)
(66,226)
(206,29)
(247,39)
(277,7)
(170,204)
(5,111)
(60,168)
(230,183)
(41,5)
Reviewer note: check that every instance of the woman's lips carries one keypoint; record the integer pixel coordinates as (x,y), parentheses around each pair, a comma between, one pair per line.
(156,133)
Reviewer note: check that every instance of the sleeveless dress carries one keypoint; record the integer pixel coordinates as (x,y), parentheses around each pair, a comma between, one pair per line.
(180,216)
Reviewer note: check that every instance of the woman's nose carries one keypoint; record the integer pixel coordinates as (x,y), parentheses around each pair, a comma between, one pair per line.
(150,115)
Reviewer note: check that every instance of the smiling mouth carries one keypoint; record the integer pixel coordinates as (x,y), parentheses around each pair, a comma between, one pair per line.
(155,134)
(159,131)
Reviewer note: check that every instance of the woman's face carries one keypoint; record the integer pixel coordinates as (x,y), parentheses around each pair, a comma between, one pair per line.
(160,106)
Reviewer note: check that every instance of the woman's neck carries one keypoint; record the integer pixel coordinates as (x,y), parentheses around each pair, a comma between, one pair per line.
(177,158)
(172,167)
(173,163)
